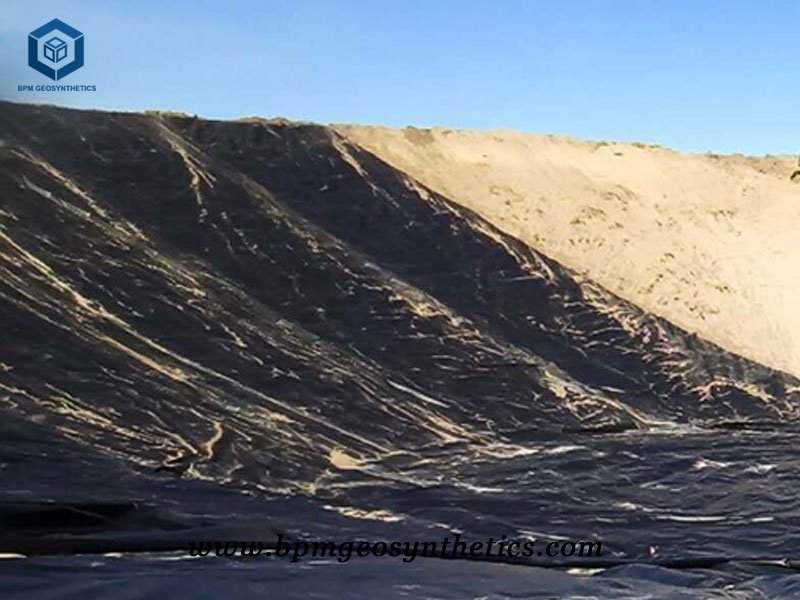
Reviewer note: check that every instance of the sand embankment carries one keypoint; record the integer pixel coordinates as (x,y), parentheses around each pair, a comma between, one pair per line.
(711,243)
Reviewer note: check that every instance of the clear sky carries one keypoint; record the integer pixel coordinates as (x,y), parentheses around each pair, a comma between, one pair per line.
(693,75)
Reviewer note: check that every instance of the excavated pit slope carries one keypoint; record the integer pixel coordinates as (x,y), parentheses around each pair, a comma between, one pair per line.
(250,301)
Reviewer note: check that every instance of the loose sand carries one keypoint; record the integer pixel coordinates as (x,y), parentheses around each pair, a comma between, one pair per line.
(711,243)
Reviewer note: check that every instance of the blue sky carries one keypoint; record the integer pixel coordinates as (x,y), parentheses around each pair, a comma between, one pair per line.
(693,75)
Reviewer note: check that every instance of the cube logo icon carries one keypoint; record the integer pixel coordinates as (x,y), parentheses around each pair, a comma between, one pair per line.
(55,49)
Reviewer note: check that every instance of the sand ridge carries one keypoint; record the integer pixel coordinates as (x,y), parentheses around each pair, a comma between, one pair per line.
(707,241)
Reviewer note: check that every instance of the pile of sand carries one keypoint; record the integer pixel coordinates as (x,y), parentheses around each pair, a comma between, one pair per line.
(711,243)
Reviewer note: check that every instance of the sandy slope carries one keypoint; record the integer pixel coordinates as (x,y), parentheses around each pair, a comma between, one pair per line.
(711,243)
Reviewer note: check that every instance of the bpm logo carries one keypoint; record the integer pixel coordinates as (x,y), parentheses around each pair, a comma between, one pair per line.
(55,49)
